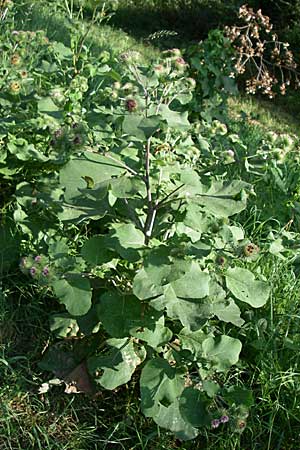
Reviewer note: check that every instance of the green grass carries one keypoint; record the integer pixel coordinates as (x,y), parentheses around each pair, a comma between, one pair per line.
(41,15)
(112,420)
(268,115)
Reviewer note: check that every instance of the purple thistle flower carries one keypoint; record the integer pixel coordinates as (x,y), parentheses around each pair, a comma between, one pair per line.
(38,258)
(45,271)
(224,419)
(241,424)
(215,423)
(32,271)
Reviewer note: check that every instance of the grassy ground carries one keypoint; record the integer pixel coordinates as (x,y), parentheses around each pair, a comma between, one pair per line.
(278,117)
(41,15)
(112,420)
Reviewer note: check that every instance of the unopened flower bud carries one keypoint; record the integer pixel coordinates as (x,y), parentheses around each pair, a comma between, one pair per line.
(251,249)
(241,424)
(191,82)
(15,59)
(117,85)
(15,87)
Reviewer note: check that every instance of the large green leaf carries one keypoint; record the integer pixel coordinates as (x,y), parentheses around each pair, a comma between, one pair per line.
(195,218)
(128,187)
(149,125)
(171,418)
(192,184)
(182,229)
(117,367)
(175,119)
(88,203)
(63,325)
(190,312)
(119,313)
(237,395)
(83,209)
(139,126)
(96,167)
(75,294)
(124,239)
(131,124)
(179,288)
(160,384)
(228,311)
(242,284)
(224,199)
(222,351)
(161,387)
(124,315)
(25,151)
(153,331)
(184,277)
(192,341)
(127,240)
(95,251)
(193,407)
(149,280)
(61,50)
(193,283)
(214,304)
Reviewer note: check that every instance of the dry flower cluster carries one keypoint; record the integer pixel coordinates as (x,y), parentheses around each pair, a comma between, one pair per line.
(269,60)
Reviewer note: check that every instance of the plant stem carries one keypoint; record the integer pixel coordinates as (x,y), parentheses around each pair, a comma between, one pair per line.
(69,10)
(149,223)
(147,166)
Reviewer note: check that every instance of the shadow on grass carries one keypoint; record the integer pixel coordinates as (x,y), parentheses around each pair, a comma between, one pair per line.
(191,21)
(189,24)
